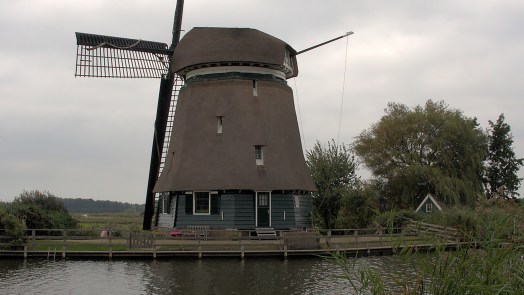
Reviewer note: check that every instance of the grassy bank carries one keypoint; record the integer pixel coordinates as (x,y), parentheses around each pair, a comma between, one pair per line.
(125,221)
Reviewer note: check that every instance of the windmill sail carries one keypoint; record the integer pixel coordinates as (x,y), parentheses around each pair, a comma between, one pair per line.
(114,57)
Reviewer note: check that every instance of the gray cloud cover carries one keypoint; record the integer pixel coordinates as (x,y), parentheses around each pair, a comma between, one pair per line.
(80,137)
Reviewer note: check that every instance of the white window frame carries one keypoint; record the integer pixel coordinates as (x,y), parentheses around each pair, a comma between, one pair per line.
(429,207)
(208,203)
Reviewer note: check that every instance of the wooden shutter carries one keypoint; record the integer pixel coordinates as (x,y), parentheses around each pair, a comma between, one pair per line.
(215,204)
(189,204)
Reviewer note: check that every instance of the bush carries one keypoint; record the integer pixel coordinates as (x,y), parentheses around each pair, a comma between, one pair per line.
(357,209)
(394,219)
(464,219)
(14,228)
(40,211)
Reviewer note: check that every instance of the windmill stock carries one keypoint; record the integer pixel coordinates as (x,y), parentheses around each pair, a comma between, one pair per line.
(262,165)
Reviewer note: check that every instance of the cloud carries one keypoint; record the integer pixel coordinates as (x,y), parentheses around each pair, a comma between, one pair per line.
(80,137)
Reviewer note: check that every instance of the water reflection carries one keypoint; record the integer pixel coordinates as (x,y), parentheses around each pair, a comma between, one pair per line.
(181,276)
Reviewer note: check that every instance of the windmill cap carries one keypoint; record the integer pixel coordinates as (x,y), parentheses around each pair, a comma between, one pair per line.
(211,46)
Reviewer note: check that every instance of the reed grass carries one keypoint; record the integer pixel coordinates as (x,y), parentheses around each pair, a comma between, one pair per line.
(492,262)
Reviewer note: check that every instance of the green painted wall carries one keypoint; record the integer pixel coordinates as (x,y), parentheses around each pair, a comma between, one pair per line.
(237,211)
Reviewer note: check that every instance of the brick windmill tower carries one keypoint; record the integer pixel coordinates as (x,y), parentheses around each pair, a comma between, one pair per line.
(226,150)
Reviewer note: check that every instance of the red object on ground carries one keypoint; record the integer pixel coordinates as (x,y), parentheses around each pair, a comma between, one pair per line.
(175,233)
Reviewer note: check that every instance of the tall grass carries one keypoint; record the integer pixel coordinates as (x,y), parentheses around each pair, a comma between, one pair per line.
(493,262)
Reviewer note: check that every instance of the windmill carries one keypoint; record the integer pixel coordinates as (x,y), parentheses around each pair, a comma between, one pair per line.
(226,149)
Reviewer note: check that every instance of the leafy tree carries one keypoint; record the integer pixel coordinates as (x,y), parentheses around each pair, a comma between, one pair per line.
(333,170)
(41,210)
(358,207)
(502,164)
(430,148)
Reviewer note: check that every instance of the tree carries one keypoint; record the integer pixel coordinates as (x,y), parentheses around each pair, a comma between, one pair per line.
(430,148)
(333,168)
(41,210)
(358,207)
(502,165)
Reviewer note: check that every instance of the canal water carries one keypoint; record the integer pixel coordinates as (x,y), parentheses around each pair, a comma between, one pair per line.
(184,276)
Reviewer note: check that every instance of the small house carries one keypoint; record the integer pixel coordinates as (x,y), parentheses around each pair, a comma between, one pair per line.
(428,205)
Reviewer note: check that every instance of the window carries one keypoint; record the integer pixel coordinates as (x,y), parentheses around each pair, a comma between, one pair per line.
(288,61)
(255,91)
(429,207)
(220,121)
(263,199)
(297,201)
(259,155)
(165,204)
(201,203)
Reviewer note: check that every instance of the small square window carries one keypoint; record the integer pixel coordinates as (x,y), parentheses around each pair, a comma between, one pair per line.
(201,203)
(429,207)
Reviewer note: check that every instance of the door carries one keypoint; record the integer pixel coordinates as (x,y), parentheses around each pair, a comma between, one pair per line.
(263,209)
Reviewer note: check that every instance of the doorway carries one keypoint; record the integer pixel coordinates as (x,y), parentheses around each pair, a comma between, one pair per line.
(263,209)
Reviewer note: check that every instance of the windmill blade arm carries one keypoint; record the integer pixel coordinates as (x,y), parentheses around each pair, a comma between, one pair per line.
(115,57)
(96,41)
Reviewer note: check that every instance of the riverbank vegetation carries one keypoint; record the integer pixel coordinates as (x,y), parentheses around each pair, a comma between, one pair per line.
(430,149)
(412,152)
(122,221)
(33,209)
(43,210)
(491,263)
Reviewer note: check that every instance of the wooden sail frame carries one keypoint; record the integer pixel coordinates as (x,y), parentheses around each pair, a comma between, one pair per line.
(102,56)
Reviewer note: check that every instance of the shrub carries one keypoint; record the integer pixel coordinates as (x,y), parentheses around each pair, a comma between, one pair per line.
(394,219)
(14,228)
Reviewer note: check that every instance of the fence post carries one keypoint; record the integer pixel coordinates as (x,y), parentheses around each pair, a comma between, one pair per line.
(329,236)
(64,235)
(33,238)
(25,251)
(110,245)
(130,237)
(153,244)
(285,251)
(356,238)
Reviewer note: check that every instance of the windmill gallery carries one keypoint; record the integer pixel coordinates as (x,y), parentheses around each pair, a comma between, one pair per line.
(226,150)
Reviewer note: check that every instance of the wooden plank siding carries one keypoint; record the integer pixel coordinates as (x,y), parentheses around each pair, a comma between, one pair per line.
(237,211)
(282,211)
(303,212)
(244,211)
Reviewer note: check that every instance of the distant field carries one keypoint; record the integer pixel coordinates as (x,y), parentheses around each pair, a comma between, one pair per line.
(121,221)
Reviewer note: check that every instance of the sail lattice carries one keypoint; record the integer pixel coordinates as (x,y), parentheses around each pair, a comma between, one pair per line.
(114,57)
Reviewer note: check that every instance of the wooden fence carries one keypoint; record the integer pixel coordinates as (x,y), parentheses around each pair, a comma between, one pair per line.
(168,242)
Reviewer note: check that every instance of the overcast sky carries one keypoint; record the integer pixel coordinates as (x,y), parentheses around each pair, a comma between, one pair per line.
(91,138)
